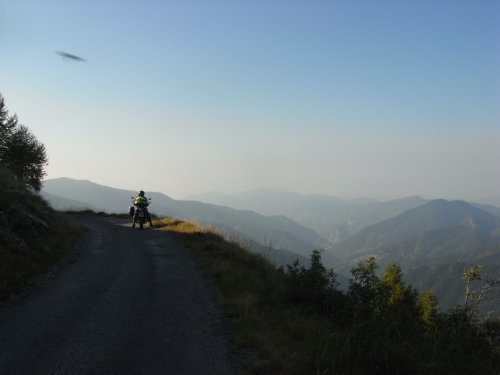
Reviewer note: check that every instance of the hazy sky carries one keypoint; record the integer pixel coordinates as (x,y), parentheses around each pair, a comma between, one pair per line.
(349,98)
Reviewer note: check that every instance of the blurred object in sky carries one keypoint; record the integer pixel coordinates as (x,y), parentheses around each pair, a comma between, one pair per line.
(67,56)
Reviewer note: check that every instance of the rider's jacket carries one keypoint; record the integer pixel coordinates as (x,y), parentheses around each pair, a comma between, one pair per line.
(141,201)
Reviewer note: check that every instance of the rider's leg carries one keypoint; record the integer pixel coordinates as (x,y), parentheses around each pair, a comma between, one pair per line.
(148,216)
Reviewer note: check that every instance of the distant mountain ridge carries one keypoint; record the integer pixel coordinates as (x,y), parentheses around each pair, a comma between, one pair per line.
(441,225)
(332,218)
(65,204)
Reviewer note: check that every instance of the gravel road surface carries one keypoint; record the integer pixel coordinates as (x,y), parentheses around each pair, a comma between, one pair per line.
(130,302)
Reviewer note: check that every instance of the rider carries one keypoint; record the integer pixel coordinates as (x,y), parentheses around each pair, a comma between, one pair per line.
(142,201)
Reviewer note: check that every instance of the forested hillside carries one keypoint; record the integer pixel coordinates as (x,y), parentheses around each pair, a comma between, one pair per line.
(433,244)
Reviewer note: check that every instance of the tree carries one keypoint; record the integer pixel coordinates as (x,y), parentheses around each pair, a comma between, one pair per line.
(364,287)
(428,306)
(474,295)
(313,287)
(392,282)
(20,151)
(7,124)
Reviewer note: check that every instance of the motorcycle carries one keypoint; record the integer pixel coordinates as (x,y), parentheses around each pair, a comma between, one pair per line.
(139,212)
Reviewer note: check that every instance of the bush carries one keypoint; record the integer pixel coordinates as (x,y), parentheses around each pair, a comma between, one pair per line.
(315,287)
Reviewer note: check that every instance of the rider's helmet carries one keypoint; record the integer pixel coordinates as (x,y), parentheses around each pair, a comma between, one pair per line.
(141,193)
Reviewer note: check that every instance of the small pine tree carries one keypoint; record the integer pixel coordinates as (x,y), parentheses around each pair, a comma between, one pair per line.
(7,124)
(313,287)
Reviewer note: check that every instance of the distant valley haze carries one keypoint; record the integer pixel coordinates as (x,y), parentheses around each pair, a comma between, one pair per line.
(434,241)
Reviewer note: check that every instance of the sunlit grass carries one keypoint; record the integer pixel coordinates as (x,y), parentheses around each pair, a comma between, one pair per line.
(269,335)
(177,225)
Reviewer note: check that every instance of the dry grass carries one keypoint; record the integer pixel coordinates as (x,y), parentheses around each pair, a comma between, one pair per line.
(269,335)
(179,226)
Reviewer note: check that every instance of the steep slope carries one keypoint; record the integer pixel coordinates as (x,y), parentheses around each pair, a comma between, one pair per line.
(446,282)
(488,208)
(33,237)
(276,231)
(434,244)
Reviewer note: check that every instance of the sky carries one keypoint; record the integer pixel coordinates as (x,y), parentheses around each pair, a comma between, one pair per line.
(360,98)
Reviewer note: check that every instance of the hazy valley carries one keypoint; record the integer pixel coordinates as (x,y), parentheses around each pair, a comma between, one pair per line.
(433,241)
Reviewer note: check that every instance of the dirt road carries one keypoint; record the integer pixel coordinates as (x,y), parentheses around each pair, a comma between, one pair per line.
(131,302)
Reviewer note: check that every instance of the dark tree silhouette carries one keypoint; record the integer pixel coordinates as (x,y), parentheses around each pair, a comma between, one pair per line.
(20,151)
(380,325)
(7,124)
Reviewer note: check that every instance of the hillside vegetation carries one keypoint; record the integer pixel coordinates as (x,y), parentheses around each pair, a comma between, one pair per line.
(433,243)
(33,237)
(296,321)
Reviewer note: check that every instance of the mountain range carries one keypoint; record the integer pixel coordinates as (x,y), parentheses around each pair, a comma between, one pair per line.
(434,241)
(332,218)
(433,244)
(277,232)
